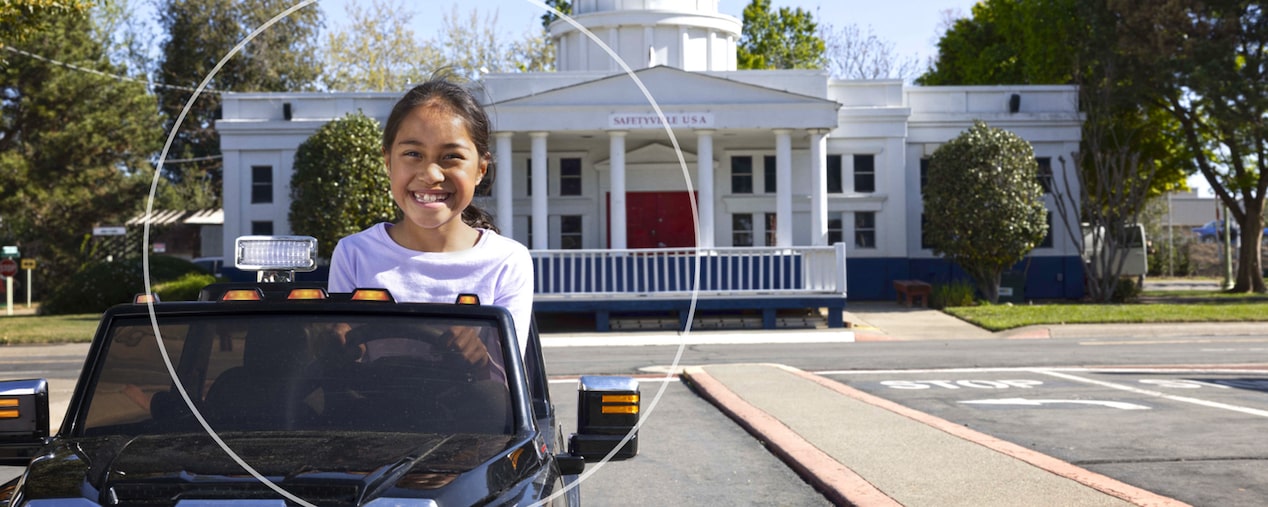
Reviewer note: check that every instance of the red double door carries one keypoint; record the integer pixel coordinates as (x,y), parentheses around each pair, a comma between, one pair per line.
(656,220)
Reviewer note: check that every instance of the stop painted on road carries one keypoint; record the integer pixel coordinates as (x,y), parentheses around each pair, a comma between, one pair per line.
(962,384)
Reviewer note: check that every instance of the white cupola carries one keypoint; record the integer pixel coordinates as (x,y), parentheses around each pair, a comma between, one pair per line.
(687,34)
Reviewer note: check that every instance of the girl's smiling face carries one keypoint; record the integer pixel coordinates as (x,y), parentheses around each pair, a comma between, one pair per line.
(434,167)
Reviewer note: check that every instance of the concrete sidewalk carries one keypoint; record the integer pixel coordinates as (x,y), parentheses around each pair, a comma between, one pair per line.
(862,450)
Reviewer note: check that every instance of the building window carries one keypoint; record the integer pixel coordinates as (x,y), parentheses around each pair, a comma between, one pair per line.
(261,228)
(834,175)
(261,184)
(770,175)
(742,229)
(570,232)
(924,174)
(864,173)
(528,182)
(570,176)
(865,229)
(770,230)
(1045,173)
(1047,238)
(836,230)
(741,175)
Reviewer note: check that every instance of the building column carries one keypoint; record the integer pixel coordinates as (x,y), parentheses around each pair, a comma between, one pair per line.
(503,198)
(819,187)
(783,184)
(617,228)
(704,170)
(541,232)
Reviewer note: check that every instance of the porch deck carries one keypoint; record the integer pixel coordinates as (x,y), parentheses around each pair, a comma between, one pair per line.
(766,279)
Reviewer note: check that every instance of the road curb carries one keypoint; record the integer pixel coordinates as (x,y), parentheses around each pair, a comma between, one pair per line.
(837,482)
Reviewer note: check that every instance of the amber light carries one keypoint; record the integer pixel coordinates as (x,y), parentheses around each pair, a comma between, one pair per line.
(8,402)
(142,299)
(468,299)
(371,295)
(242,295)
(306,294)
(620,398)
(620,409)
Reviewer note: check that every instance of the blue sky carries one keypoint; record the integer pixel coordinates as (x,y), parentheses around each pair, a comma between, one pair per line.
(911,25)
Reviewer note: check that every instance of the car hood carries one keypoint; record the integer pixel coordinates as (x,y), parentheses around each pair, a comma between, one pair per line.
(321,468)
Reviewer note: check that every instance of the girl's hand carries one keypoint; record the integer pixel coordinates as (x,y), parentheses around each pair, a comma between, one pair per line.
(466,342)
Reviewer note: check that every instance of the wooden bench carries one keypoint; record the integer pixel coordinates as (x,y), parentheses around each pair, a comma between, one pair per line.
(909,290)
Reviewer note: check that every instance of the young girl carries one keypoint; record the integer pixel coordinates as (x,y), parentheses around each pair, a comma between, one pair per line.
(436,152)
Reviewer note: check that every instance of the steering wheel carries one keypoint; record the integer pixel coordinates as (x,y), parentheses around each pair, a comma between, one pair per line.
(422,351)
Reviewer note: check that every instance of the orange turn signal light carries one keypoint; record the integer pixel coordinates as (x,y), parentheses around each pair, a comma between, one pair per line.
(10,414)
(8,402)
(620,409)
(142,299)
(306,294)
(242,295)
(371,295)
(620,398)
(468,299)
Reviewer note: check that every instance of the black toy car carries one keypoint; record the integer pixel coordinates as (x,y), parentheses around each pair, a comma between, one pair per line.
(287,395)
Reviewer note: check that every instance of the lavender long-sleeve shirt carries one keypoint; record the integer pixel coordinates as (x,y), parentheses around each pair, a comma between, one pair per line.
(497,269)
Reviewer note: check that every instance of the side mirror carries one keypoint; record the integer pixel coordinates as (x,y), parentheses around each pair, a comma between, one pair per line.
(607,410)
(23,420)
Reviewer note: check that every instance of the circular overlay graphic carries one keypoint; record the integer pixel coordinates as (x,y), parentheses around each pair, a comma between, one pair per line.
(590,468)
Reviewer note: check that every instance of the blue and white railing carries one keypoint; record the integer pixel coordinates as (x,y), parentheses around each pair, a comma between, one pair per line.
(674,272)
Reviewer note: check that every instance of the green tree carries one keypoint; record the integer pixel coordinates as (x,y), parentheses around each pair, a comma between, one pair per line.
(783,39)
(1129,151)
(19,19)
(339,185)
(74,146)
(549,17)
(983,204)
(1208,64)
(988,49)
(202,32)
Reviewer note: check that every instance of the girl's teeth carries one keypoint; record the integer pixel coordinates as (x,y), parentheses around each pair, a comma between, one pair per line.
(429,198)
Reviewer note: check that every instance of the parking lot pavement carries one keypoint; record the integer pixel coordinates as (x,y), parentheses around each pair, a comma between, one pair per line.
(863,450)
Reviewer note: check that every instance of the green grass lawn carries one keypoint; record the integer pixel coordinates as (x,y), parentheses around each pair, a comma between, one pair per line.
(1000,317)
(48,329)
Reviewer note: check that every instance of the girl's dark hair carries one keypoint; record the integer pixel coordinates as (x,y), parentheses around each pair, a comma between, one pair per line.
(463,103)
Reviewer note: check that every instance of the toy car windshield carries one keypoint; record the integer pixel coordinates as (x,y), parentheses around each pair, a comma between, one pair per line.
(287,372)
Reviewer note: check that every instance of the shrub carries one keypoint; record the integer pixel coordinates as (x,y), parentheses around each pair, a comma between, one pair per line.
(185,288)
(1126,290)
(98,285)
(1180,261)
(952,294)
(340,186)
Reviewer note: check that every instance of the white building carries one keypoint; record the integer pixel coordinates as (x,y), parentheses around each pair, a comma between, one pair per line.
(772,158)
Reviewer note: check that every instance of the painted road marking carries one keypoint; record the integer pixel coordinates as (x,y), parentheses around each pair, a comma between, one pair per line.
(957,384)
(1146,392)
(1065,373)
(1034,403)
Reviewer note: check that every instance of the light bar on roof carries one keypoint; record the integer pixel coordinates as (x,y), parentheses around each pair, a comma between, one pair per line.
(275,253)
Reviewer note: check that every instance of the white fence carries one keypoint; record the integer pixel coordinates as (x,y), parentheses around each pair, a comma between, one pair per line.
(675,272)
